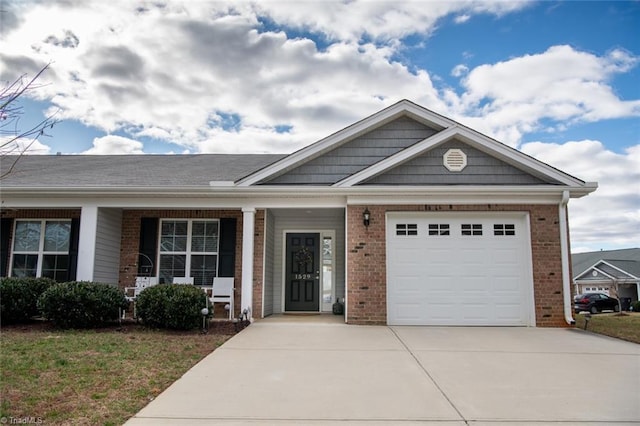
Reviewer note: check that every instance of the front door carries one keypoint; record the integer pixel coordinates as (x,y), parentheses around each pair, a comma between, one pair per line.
(302,274)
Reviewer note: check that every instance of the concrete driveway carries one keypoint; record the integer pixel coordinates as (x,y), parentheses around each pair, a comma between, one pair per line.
(316,370)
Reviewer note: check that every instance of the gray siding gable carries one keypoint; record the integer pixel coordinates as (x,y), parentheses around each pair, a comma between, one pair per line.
(357,154)
(481,169)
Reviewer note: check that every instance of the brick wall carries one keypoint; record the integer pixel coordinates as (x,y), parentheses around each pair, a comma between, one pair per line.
(366,251)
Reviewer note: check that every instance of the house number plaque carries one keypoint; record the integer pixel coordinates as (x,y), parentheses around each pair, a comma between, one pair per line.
(302,276)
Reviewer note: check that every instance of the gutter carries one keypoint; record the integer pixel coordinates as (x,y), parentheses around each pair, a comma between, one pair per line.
(564,255)
(224,188)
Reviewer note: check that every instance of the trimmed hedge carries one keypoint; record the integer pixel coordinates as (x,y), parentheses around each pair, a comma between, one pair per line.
(171,306)
(82,304)
(635,306)
(19,298)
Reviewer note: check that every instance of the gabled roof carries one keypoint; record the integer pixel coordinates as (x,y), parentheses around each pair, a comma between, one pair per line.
(613,263)
(410,131)
(446,130)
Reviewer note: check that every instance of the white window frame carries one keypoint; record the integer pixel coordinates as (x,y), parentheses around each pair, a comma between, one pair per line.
(40,252)
(188,253)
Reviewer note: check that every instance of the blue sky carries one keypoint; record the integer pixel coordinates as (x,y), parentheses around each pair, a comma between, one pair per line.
(558,80)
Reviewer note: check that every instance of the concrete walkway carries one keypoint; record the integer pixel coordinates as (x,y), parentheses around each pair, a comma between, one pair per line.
(316,370)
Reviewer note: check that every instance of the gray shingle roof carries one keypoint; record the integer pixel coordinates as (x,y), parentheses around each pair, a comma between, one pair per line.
(625,259)
(132,170)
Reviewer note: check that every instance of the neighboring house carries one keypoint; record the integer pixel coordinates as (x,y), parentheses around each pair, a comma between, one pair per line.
(406,216)
(601,271)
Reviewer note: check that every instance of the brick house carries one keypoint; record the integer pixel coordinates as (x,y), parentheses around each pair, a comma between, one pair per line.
(406,216)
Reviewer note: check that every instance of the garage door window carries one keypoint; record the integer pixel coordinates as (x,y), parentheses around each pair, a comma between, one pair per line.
(439,229)
(471,229)
(407,229)
(504,229)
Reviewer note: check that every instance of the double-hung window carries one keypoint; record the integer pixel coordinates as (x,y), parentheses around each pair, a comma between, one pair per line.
(41,249)
(189,248)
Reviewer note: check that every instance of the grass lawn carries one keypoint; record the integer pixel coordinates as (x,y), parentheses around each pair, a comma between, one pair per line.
(624,326)
(93,377)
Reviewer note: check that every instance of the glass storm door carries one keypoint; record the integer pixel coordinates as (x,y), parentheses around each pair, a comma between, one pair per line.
(302,274)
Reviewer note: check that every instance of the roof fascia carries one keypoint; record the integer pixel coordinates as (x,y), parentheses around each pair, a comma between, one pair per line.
(404,107)
(268,190)
(519,159)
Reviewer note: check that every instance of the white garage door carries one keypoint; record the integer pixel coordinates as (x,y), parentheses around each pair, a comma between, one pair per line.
(459,269)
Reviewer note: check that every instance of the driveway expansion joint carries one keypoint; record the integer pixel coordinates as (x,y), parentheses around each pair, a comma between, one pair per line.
(433,380)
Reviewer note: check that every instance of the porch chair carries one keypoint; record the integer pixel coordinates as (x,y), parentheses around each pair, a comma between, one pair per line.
(183,280)
(132,293)
(222,292)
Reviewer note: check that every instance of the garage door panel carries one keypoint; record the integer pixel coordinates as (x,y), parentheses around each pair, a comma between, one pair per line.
(461,278)
(408,313)
(504,284)
(442,311)
(472,284)
(409,286)
(507,311)
(437,257)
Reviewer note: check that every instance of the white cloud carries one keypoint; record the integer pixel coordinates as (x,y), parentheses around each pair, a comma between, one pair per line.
(9,145)
(459,70)
(562,84)
(609,217)
(380,20)
(113,144)
(111,71)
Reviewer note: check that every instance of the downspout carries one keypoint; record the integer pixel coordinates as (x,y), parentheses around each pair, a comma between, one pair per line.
(564,253)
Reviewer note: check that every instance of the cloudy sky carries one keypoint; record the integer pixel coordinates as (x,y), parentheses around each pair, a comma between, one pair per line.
(558,80)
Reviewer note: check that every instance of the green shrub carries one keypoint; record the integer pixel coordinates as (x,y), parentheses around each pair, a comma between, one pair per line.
(19,298)
(82,304)
(635,306)
(172,306)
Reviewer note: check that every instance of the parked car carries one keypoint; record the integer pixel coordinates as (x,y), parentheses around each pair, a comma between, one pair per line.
(594,303)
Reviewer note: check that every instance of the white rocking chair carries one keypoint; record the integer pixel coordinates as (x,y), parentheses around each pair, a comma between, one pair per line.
(222,291)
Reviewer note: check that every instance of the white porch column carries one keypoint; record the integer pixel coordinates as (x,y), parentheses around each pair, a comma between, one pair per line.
(248,230)
(87,243)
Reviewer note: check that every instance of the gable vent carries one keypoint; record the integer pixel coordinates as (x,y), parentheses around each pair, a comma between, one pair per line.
(455,160)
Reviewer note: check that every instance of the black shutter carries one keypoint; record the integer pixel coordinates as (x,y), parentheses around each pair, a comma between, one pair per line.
(148,246)
(227,250)
(74,239)
(5,232)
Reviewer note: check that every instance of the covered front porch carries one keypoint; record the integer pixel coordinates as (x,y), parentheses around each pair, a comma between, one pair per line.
(259,247)
(304,260)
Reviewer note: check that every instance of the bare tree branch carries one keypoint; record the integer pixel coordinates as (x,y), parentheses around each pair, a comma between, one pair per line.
(11,135)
